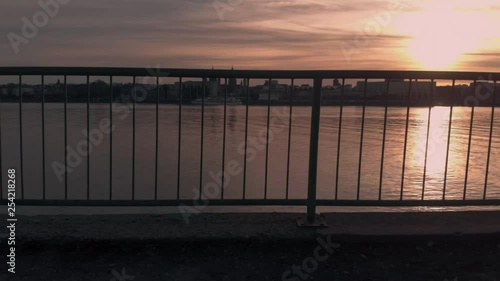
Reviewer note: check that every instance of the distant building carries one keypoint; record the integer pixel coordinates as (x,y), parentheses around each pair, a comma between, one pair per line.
(278,91)
(336,83)
(232,84)
(191,89)
(213,86)
(398,89)
(305,87)
(25,91)
(265,96)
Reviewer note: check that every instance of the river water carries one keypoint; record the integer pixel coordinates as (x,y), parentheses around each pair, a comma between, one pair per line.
(255,187)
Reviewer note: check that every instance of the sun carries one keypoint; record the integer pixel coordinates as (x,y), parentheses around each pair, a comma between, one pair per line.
(442,33)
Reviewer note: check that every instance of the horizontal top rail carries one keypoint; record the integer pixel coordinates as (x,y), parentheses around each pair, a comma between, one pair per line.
(262,74)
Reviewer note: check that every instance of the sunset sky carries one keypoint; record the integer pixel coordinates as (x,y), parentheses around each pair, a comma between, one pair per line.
(260,34)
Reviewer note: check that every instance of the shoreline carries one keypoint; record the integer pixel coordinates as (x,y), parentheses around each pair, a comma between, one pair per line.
(273,103)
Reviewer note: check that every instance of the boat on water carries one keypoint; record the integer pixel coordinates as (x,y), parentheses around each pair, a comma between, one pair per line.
(217,101)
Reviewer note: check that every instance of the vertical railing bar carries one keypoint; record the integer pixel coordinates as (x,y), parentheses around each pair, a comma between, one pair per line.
(111,137)
(406,138)
(1,159)
(202,134)
(313,151)
(134,93)
(224,140)
(339,140)
(450,123)
(65,137)
(43,138)
(267,136)
(246,140)
(290,98)
(383,140)
(469,145)
(493,105)
(156,135)
(88,137)
(179,139)
(361,140)
(427,144)
(21,134)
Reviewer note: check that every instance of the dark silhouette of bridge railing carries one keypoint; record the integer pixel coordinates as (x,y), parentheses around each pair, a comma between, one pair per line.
(311,202)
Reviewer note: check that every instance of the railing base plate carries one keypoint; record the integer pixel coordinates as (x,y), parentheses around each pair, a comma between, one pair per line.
(318,223)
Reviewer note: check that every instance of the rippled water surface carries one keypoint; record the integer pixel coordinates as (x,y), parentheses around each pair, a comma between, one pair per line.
(255,178)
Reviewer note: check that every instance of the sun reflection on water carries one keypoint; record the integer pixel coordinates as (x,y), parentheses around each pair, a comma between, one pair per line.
(436,146)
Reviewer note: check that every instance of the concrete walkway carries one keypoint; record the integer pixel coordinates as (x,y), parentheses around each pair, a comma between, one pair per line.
(262,247)
(263,226)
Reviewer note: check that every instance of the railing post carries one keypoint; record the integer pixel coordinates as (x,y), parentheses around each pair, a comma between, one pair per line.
(313,158)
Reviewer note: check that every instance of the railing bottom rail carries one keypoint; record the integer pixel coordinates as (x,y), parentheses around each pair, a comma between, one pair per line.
(258,202)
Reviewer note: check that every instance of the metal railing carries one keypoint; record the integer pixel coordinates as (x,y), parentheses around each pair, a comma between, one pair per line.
(315,102)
